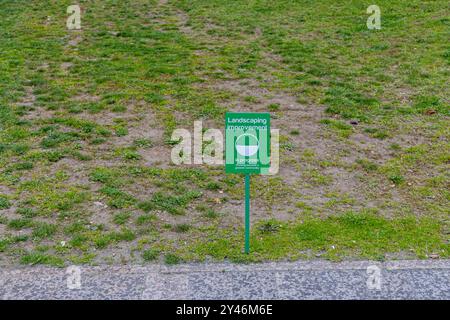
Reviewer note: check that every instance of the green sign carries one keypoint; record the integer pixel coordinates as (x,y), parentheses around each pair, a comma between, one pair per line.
(247,142)
(247,151)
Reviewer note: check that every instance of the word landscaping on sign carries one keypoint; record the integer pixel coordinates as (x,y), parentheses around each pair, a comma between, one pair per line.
(247,143)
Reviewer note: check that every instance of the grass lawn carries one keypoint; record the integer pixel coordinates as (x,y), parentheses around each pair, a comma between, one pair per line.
(86,118)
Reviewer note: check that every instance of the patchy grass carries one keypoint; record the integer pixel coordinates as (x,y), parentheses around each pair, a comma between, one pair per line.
(41,258)
(4,202)
(150,255)
(172,259)
(341,128)
(86,119)
(357,235)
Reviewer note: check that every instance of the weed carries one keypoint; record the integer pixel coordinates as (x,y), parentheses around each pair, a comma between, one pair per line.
(172,259)
(150,254)
(121,218)
(4,202)
(182,228)
(273,107)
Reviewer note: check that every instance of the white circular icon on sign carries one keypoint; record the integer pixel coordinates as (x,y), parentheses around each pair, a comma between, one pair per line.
(247,147)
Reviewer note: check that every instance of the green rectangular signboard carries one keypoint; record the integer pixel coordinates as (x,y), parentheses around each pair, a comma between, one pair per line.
(247,142)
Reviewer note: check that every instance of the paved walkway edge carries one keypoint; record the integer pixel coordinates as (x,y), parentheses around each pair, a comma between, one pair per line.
(407,279)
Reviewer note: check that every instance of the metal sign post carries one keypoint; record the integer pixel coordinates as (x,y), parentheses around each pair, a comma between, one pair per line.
(247,213)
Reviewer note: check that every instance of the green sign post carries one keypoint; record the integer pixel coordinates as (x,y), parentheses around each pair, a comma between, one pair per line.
(247,151)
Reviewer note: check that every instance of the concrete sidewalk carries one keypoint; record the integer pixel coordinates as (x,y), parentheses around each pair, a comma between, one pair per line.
(428,279)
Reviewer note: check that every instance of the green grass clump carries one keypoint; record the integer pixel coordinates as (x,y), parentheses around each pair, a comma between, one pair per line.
(172,204)
(43,230)
(172,259)
(41,258)
(18,224)
(117,198)
(182,228)
(103,240)
(213,186)
(4,203)
(211,214)
(21,166)
(342,128)
(143,143)
(377,133)
(150,254)
(397,179)
(361,235)
(367,165)
(273,107)
(145,219)
(121,218)
(4,243)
